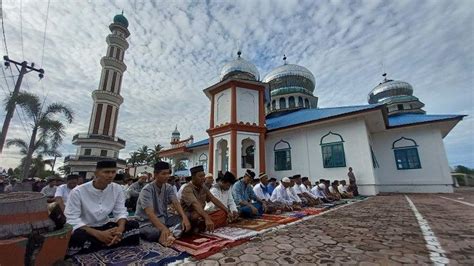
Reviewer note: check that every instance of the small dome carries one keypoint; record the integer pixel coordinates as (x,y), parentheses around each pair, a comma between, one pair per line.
(175,132)
(390,88)
(121,19)
(290,76)
(241,69)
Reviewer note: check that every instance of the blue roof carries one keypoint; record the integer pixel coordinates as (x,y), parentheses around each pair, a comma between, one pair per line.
(408,119)
(312,115)
(198,143)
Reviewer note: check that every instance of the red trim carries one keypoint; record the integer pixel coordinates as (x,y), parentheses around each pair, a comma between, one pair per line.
(261,147)
(20,218)
(211,155)
(115,122)
(98,113)
(261,108)
(108,114)
(174,151)
(211,123)
(236,127)
(233,152)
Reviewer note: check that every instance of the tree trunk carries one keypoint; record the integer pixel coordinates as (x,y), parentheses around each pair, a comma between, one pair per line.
(29,155)
(54,163)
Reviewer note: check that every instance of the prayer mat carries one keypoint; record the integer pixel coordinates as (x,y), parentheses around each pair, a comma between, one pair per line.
(280,219)
(296,214)
(147,253)
(253,224)
(233,233)
(313,211)
(201,246)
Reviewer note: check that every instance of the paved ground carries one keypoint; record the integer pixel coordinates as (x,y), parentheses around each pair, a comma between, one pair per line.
(382,230)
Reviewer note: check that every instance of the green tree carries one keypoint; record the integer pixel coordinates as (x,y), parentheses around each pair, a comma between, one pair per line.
(44,123)
(463,169)
(155,154)
(144,154)
(134,160)
(180,165)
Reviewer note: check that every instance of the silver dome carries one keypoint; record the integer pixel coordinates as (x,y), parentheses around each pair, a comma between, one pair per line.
(293,73)
(389,88)
(240,68)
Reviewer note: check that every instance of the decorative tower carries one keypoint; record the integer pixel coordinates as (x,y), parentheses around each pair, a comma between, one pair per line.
(100,142)
(397,96)
(175,137)
(237,123)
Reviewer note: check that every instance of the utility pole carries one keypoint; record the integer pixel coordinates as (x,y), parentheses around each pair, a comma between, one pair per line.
(23,69)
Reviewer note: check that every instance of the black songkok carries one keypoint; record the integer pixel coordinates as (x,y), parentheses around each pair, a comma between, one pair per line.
(106,164)
(197,169)
(161,166)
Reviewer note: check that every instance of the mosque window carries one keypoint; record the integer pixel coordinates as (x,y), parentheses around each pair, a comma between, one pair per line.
(291,101)
(203,160)
(282,103)
(282,150)
(300,101)
(106,78)
(117,53)
(87,151)
(103,153)
(306,103)
(111,51)
(406,154)
(114,77)
(248,153)
(332,149)
(400,106)
(274,105)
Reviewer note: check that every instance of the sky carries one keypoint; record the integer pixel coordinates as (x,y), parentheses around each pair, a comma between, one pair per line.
(177,49)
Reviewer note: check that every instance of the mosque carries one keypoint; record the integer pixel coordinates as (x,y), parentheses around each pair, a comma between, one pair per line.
(274,125)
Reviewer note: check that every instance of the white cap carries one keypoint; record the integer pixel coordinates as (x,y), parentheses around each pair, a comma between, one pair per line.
(209,175)
(286,180)
(322,186)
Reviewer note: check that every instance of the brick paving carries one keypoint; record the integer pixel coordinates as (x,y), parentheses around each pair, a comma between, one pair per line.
(380,231)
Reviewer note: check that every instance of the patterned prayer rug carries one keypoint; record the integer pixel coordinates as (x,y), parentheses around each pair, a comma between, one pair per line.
(147,253)
(201,246)
(313,211)
(280,219)
(254,224)
(233,233)
(296,214)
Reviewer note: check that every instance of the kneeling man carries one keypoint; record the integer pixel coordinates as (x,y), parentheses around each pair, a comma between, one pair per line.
(88,208)
(221,190)
(193,199)
(157,224)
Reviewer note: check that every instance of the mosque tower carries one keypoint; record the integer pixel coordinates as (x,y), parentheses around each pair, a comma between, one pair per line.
(175,137)
(397,96)
(100,142)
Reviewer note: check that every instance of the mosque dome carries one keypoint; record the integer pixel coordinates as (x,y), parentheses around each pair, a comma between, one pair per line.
(397,95)
(175,132)
(290,78)
(121,19)
(240,68)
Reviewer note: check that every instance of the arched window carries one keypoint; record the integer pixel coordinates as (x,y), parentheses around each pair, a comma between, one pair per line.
(332,149)
(248,153)
(406,154)
(274,105)
(203,161)
(291,101)
(306,103)
(282,103)
(282,150)
(300,101)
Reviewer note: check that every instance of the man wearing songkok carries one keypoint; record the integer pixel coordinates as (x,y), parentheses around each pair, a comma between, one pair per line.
(318,191)
(333,190)
(280,195)
(193,199)
(50,189)
(243,195)
(62,192)
(261,190)
(88,208)
(328,193)
(221,190)
(303,193)
(209,180)
(272,183)
(342,188)
(134,190)
(156,223)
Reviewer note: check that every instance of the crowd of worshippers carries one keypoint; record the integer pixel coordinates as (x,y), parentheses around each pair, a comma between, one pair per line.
(97,210)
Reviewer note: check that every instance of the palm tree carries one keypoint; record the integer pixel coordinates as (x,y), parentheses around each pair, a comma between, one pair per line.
(43,122)
(155,154)
(144,154)
(134,160)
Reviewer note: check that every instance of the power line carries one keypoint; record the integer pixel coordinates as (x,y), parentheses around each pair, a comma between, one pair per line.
(42,53)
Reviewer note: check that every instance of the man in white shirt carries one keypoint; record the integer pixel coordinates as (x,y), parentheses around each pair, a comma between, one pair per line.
(318,191)
(50,189)
(221,190)
(280,195)
(62,192)
(342,188)
(88,208)
(262,191)
(181,188)
(308,198)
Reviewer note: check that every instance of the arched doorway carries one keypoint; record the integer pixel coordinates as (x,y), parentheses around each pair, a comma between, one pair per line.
(222,156)
(248,154)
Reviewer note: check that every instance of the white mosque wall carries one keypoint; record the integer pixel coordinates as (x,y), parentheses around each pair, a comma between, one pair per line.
(222,107)
(245,139)
(200,156)
(306,155)
(219,155)
(247,106)
(434,174)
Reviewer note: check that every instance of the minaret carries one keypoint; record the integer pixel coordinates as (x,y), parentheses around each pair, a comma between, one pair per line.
(100,142)
(175,137)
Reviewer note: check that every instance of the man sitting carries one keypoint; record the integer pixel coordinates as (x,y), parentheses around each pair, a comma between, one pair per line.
(181,188)
(193,199)
(272,183)
(62,192)
(221,190)
(302,191)
(50,189)
(280,195)
(318,191)
(88,208)
(333,190)
(209,180)
(342,188)
(243,195)
(134,191)
(157,224)
(262,192)
(294,194)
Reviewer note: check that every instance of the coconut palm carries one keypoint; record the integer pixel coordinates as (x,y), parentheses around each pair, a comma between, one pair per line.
(155,154)
(134,160)
(144,154)
(44,122)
